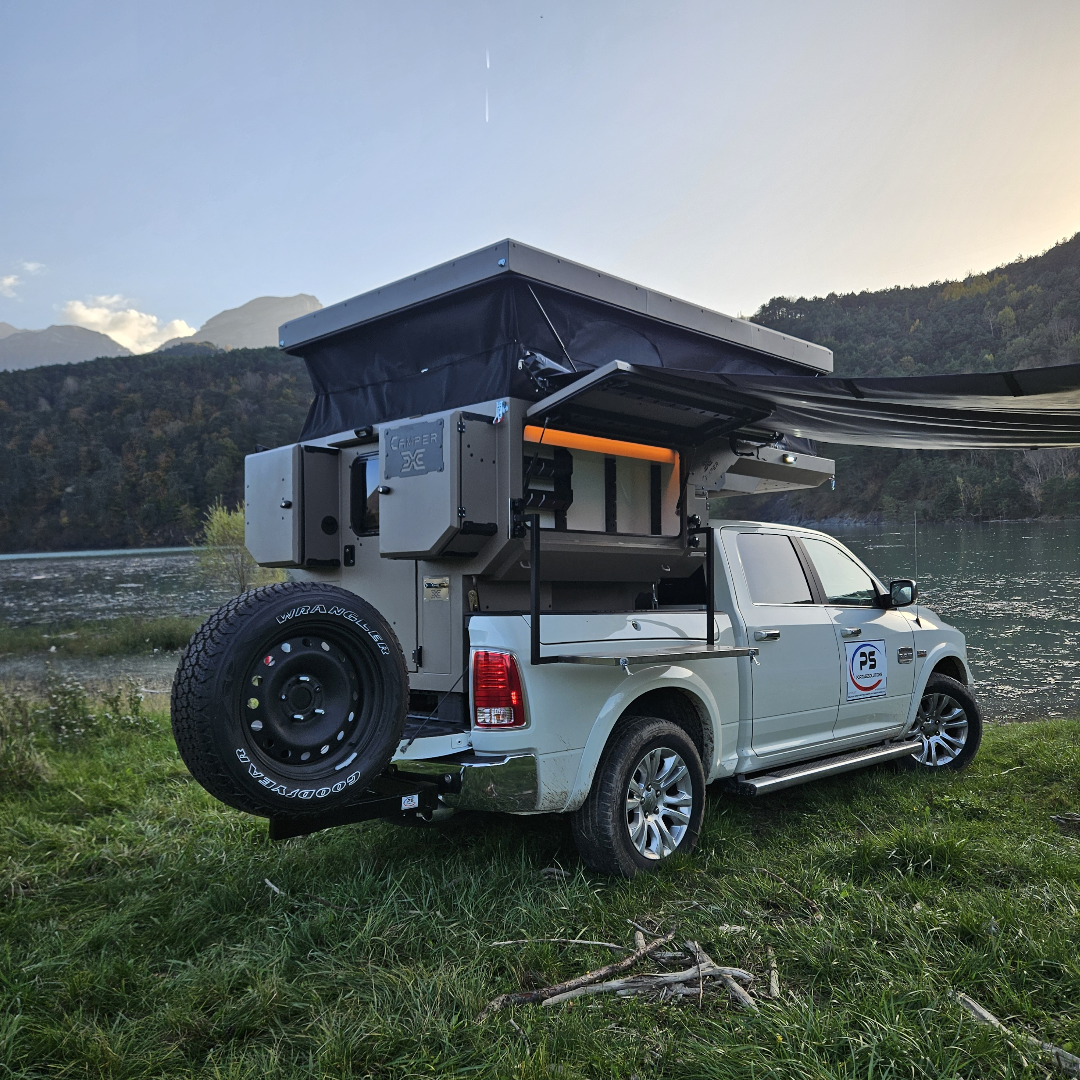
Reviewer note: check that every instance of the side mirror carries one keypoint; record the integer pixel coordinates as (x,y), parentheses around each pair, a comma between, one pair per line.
(903,592)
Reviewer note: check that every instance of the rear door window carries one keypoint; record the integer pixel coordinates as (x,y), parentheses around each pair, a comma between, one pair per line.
(773,571)
(844,582)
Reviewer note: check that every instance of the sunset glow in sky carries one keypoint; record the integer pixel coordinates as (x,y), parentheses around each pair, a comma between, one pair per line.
(176,160)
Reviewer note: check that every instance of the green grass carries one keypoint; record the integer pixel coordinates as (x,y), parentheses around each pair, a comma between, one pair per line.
(107,637)
(138,937)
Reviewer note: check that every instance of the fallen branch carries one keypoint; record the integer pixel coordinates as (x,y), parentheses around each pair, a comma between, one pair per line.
(530,997)
(1065,1062)
(648,982)
(706,963)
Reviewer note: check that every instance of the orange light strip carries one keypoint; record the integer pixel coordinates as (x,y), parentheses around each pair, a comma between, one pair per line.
(614,447)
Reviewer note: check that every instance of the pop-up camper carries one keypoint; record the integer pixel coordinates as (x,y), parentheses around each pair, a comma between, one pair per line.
(506,591)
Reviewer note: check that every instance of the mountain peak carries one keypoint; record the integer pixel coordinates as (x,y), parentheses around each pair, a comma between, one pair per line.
(54,345)
(254,325)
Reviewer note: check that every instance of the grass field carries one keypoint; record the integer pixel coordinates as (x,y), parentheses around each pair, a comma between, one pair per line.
(139,937)
(109,637)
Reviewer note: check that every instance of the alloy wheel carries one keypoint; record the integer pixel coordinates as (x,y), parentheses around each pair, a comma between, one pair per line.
(942,724)
(659,800)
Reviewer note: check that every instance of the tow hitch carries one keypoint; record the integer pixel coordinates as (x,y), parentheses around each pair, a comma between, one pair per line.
(386,797)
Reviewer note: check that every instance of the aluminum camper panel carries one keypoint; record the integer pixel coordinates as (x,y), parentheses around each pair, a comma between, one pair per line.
(272,506)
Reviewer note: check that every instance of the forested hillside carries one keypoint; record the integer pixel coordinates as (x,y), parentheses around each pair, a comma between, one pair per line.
(128,452)
(1025,314)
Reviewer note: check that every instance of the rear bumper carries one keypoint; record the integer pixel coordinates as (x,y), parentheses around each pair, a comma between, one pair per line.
(506,782)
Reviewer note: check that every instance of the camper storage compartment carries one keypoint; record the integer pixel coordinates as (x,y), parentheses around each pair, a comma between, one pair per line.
(440,486)
(292,515)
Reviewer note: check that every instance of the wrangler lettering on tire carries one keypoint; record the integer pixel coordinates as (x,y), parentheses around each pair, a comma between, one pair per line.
(290,698)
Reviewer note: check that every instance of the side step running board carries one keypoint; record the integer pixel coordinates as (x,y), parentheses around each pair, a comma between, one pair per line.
(831,766)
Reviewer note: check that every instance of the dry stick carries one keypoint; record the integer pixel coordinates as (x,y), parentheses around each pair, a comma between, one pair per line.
(734,989)
(1065,1062)
(774,975)
(528,1048)
(652,981)
(529,997)
(802,896)
(739,994)
(562,941)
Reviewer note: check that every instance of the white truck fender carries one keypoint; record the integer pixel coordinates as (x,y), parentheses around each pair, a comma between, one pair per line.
(933,658)
(673,677)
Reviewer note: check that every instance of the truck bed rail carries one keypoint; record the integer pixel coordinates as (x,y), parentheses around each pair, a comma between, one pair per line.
(663,656)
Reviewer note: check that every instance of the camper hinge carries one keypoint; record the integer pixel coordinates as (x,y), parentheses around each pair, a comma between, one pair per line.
(461,426)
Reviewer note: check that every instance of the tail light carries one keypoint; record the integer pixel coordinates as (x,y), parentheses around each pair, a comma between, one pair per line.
(496,691)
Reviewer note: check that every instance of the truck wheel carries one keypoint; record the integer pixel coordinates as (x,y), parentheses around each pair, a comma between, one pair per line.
(949,722)
(290,699)
(646,802)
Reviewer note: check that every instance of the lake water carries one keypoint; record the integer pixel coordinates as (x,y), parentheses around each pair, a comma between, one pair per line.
(43,590)
(1013,588)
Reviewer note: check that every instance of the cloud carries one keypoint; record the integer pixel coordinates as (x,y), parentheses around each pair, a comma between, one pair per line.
(135,330)
(33,268)
(7,285)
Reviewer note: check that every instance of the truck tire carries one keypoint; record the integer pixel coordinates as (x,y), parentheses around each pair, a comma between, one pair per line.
(646,802)
(949,722)
(290,699)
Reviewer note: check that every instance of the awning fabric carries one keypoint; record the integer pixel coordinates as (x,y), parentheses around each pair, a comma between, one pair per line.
(1038,407)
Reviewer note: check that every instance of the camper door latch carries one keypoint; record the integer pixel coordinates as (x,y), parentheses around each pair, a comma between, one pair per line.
(517,519)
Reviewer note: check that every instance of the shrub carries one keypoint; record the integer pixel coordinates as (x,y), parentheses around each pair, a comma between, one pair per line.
(70,717)
(224,560)
(21,763)
(66,713)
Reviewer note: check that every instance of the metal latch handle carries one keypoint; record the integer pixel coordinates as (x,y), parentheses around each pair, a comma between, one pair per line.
(766,635)
(851,631)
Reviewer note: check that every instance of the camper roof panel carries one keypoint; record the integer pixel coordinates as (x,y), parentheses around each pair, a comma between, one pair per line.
(511,257)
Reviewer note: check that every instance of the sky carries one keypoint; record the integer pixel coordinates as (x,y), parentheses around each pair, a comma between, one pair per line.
(161,162)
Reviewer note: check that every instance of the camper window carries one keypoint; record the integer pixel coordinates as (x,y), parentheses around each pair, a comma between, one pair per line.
(364,495)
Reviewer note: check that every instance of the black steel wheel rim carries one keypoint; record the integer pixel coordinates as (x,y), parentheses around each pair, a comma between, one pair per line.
(303,703)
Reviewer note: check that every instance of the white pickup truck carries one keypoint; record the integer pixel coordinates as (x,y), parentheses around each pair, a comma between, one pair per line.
(512,587)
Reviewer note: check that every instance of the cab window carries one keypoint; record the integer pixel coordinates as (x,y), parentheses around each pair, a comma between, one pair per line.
(844,582)
(773,571)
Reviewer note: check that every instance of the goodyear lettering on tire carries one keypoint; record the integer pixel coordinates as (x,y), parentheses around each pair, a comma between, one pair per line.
(297,793)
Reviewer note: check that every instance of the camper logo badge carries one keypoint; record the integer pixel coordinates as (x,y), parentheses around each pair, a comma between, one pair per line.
(414,449)
(867,670)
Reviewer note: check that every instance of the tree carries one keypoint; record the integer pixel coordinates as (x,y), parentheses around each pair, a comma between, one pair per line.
(223,558)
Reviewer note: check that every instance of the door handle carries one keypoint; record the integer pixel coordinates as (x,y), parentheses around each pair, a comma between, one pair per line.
(851,631)
(766,635)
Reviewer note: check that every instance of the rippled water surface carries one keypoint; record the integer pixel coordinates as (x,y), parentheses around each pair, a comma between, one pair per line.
(1013,588)
(147,585)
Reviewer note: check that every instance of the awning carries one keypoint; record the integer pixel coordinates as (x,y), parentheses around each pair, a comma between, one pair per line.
(1038,407)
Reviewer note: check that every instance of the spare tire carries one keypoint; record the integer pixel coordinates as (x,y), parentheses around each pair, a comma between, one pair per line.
(290,699)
